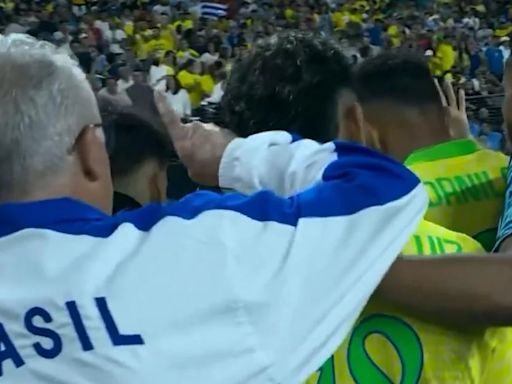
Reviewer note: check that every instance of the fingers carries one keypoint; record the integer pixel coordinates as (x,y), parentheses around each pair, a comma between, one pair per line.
(441,93)
(450,94)
(169,117)
(462,100)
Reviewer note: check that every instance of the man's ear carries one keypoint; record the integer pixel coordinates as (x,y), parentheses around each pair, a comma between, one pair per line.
(93,182)
(355,127)
(350,120)
(91,154)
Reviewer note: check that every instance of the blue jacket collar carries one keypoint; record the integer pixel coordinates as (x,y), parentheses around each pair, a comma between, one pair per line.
(53,213)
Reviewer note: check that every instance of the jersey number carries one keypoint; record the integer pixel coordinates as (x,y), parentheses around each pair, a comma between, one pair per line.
(363,370)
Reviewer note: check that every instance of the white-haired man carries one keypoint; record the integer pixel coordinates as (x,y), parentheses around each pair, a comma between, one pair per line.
(212,289)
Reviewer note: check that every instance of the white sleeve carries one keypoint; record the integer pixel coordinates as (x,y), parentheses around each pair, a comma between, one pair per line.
(304,267)
(274,161)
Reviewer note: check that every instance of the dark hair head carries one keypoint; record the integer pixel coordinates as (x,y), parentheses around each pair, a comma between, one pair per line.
(131,140)
(402,78)
(289,82)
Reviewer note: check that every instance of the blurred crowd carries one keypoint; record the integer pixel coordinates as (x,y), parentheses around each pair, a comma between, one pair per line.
(187,48)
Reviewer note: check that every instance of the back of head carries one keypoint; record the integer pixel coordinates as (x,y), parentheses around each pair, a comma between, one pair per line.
(46,104)
(401,102)
(403,79)
(132,140)
(290,82)
(139,155)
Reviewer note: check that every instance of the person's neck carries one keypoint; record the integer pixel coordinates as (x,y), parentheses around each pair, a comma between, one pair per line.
(407,131)
(403,145)
(129,187)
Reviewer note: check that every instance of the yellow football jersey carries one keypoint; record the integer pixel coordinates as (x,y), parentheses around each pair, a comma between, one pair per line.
(389,346)
(499,368)
(466,186)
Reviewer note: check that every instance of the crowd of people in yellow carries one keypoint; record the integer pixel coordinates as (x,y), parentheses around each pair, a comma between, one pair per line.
(467,42)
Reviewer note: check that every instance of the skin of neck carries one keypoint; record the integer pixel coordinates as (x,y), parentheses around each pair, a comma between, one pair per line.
(136,183)
(405,129)
(53,188)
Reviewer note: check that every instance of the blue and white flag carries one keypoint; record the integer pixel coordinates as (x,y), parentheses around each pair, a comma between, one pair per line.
(212,10)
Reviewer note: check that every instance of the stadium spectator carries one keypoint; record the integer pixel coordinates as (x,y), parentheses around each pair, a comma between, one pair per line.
(211,56)
(57,188)
(139,155)
(157,74)
(125,78)
(495,59)
(505,47)
(218,89)
(189,77)
(177,97)
(111,94)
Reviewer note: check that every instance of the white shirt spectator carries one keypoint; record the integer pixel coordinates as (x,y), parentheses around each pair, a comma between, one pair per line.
(123,84)
(116,38)
(179,102)
(471,22)
(159,9)
(63,42)
(208,58)
(217,93)
(103,26)
(120,98)
(157,76)
(505,48)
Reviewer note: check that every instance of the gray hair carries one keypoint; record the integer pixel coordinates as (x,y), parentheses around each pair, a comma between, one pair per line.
(42,109)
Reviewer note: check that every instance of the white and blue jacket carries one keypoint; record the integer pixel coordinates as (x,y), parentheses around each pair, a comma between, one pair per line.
(210,289)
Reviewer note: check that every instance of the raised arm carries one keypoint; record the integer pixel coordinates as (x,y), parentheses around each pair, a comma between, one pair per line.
(276,161)
(271,160)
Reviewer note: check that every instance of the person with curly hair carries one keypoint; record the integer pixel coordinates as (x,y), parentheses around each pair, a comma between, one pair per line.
(294,81)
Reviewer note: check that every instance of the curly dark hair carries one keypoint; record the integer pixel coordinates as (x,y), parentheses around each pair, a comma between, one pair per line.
(290,82)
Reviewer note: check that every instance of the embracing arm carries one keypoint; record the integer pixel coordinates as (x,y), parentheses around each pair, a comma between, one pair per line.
(468,290)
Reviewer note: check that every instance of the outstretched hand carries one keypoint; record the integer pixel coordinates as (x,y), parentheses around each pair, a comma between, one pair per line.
(199,146)
(455,109)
